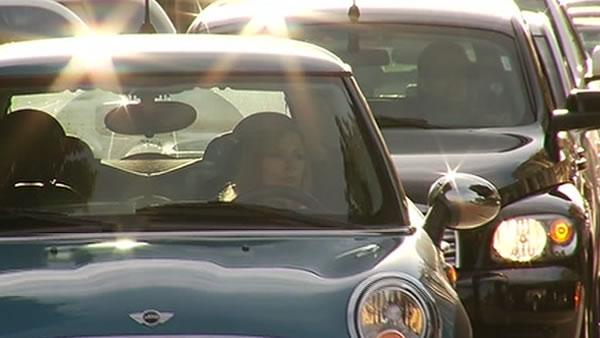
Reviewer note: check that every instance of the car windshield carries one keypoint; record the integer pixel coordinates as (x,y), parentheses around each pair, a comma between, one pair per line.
(193,149)
(119,16)
(26,23)
(428,76)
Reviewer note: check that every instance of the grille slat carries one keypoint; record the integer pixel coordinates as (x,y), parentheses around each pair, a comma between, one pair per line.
(449,246)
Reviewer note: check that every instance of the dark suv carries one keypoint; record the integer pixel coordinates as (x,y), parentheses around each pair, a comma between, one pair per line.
(460,87)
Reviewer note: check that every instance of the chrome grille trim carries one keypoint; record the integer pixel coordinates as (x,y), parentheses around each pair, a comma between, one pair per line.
(450,247)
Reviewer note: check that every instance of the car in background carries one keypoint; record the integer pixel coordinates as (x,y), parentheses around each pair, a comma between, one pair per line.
(586,18)
(120,16)
(515,277)
(578,62)
(146,198)
(561,85)
(36,19)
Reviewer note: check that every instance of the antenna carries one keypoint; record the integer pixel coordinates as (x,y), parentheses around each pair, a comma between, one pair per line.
(147,26)
(354,12)
(353,36)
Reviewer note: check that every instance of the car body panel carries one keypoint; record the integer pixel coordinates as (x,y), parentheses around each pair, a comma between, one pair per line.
(264,284)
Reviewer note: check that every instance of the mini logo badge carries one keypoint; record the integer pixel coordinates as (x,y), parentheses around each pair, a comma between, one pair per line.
(151,318)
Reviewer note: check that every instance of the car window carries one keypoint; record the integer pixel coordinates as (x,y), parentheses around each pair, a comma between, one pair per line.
(568,40)
(119,16)
(262,141)
(573,40)
(400,81)
(27,23)
(559,91)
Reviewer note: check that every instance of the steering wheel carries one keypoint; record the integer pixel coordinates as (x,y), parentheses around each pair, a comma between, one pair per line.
(265,194)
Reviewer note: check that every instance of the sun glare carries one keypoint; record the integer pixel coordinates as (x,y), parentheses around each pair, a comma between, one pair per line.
(91,56)
(119,244)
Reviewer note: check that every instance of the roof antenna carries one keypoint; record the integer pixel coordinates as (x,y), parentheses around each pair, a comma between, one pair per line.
(353,12)
(353,36)
(147,26)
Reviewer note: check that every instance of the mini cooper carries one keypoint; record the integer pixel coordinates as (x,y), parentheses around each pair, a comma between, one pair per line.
(212,186)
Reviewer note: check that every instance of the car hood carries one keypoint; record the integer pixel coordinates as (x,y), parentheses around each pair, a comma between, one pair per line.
(264,286)
(510,159)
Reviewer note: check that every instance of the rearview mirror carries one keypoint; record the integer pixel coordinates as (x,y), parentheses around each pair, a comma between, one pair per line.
(150,118)
(365,57)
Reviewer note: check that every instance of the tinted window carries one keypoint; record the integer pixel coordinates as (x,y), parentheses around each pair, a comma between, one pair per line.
(119,16)
(551,69)
(26,23)
(448,77)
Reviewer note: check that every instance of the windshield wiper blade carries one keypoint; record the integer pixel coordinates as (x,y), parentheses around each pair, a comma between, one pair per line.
(404,122)
(33,220)
(215,210)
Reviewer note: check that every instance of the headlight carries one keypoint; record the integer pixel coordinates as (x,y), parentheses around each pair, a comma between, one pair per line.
(525,239)
(390,308)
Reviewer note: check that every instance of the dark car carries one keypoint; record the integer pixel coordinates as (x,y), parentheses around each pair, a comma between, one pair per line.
(211,186)
(495,117)
(37,19)
(571,46)
(585,15)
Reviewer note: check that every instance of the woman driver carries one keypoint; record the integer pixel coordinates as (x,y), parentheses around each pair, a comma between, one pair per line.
(272,156)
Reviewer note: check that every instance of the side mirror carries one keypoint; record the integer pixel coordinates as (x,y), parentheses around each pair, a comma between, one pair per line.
(460,201)
(583,111)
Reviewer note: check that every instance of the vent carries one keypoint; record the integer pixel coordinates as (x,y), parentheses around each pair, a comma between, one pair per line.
(450,247)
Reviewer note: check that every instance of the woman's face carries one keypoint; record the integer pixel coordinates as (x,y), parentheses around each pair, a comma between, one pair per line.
(283,163)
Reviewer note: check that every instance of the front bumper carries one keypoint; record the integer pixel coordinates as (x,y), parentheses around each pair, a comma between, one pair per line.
(531,302)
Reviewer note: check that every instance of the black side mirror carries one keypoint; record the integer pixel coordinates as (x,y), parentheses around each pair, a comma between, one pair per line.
(583,111)
(460,201)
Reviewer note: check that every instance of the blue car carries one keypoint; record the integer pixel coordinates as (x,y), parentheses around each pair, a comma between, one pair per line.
(212,186)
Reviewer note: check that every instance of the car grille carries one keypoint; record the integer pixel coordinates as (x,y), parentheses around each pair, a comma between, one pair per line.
(449,247)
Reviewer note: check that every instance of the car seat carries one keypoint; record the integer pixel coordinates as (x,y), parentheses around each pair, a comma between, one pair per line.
(223,153)
(31,152)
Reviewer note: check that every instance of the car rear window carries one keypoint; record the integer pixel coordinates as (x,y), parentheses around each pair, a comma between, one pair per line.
(26,23)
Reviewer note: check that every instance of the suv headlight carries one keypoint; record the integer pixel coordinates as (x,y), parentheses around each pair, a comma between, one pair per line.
(390,307)
(526,239)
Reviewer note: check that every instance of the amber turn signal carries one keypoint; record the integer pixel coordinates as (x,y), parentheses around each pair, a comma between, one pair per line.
(452,274)
(561,232)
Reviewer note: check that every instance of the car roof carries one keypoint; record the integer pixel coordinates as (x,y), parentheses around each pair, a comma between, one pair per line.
(538,22)
(167,53)
(489,14)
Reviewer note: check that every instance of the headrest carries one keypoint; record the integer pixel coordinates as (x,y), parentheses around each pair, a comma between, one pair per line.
(31,130)
(259,123)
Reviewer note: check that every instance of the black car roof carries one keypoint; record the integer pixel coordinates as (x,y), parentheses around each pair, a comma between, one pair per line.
(167,53)
(488,14)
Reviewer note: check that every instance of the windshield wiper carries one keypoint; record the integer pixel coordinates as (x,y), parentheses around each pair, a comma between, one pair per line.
(404,122)
(236,212)
(20,220)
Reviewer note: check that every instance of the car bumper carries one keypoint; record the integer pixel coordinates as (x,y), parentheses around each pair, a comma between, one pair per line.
(531,302)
